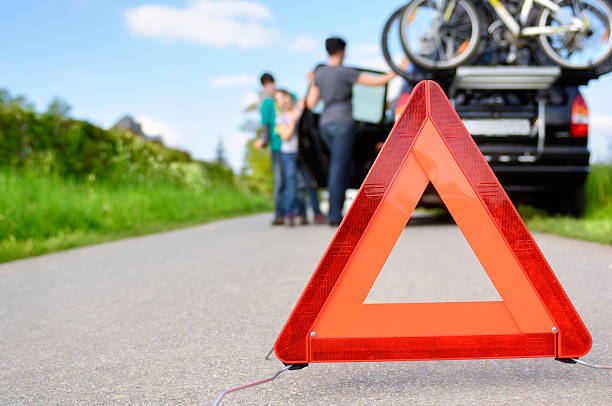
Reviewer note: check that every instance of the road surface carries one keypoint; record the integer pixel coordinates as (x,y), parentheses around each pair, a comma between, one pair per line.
(174,318)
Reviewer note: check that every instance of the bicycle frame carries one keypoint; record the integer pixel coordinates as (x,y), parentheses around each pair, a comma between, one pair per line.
(518,29)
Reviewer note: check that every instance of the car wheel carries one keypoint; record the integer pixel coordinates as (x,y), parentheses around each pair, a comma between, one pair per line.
(566,202)
(574,202)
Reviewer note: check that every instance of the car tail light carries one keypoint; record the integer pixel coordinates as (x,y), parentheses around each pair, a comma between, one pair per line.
(579,125)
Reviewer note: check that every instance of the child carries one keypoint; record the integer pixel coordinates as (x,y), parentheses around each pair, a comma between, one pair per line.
(286,126)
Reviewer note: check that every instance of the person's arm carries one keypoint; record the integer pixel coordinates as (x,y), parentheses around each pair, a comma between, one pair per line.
(266,126)
(264,137)
(366,79)
(312,98)
(286,130)
(300,104)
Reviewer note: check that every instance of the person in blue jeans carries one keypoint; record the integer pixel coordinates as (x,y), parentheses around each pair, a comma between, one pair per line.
(269,136)
(307,185)
(333,83)
(286,126)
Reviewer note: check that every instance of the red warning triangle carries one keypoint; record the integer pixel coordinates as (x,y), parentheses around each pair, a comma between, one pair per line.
(332,323)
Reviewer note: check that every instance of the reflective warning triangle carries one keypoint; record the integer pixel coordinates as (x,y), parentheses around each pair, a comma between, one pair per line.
(332,323)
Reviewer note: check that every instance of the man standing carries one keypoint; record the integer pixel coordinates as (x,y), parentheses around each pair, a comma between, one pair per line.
(333,84)
(270,136)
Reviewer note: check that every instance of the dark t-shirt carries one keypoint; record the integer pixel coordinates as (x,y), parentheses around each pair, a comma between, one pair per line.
(335,85)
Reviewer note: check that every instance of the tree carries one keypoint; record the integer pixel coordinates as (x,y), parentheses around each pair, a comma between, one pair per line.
(257,166)
(257,169)
(220,153)
(59,108)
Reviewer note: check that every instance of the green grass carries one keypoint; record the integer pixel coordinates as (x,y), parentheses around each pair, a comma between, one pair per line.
(596,225)
(41,213)
(598,230)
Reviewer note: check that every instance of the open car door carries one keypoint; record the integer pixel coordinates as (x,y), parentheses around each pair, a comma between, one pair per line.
(369,108)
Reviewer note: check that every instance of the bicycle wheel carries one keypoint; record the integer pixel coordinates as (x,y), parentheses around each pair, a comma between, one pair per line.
(440,34)
(582,49)
(384,44)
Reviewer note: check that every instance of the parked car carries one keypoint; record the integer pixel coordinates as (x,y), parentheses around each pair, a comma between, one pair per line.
(530,123)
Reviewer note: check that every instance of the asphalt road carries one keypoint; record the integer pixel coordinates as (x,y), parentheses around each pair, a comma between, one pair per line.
(174,318)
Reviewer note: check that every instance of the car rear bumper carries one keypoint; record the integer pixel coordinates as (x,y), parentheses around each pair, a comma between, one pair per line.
(540,177)
(521,181)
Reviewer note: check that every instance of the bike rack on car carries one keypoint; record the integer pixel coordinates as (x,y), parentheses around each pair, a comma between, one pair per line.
(538,78)
(505,77)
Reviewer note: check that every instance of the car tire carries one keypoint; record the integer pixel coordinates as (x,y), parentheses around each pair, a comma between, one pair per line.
(574,202)
(566,202)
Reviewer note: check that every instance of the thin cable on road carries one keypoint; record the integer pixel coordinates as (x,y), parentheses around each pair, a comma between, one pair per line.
(579,361)
(286,367)
(225,392)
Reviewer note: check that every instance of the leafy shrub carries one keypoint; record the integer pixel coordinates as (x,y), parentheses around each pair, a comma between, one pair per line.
(599,190)
(52,142)
(257,171)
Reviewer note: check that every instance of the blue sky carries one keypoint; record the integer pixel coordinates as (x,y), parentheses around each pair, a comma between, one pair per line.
(187,68)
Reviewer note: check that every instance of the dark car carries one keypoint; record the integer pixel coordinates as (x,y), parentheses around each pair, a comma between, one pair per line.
(530,123)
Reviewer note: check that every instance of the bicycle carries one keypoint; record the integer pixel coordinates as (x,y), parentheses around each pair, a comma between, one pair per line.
(443,34)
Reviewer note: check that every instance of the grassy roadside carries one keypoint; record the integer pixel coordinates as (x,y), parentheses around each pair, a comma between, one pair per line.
(596,225)
(597,230)
(41,213)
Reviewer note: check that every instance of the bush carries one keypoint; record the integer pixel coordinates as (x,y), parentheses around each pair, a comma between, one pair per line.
(66,183)
(599,190)
(52,142)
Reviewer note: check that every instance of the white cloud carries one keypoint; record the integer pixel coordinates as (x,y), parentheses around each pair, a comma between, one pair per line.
(221,23)
(239,80)
(302,43)
(154,128)
(248,99)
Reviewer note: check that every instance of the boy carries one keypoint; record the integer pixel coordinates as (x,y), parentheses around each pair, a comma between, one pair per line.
(270,136)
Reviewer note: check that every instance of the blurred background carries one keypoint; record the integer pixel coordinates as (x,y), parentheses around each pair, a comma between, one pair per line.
(124,117)
(183,70)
